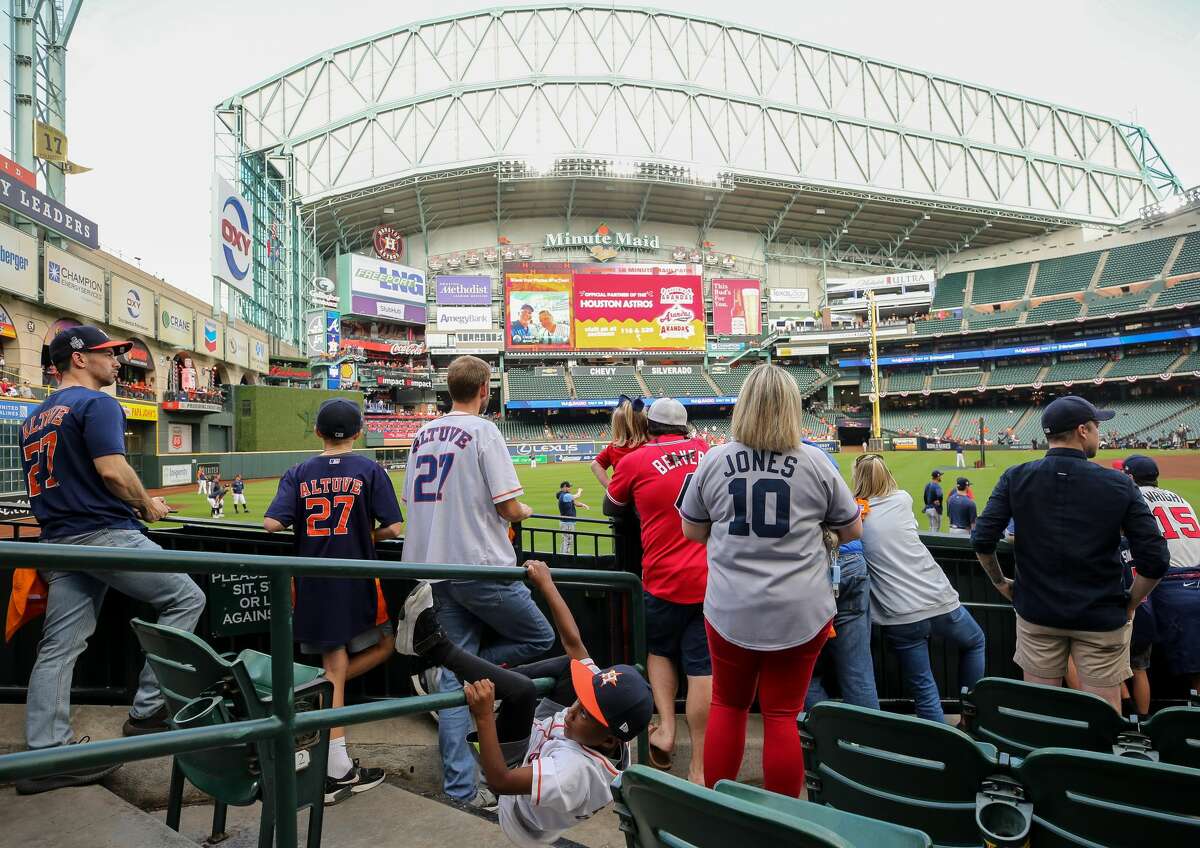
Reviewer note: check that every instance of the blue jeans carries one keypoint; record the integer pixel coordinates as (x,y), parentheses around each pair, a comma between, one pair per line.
(463,608)
(911,643)
(72,607)
(850,650)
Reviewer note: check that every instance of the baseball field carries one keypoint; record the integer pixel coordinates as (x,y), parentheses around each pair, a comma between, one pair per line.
(1180,473)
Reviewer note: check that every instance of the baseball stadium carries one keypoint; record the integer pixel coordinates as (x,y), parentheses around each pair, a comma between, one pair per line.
(614,207)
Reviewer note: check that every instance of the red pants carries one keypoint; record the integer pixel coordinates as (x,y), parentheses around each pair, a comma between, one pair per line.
(781,680)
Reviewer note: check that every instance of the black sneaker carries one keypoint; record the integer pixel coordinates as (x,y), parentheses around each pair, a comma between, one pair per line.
(357,780)
(155,723)
(65,779)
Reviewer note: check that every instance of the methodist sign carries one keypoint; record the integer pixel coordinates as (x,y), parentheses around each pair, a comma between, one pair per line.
(376,288)
(73,284)
(37,207)
(232,237)
(463,290)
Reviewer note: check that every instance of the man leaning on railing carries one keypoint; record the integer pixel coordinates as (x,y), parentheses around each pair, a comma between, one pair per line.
(83,491)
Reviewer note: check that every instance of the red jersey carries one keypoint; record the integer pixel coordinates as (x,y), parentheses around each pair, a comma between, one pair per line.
(651,478)
(611,455)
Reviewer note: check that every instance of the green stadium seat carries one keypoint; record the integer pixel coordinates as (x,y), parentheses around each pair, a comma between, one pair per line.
(858,830)
(607,388)
(992,320)
(1180,294)
(1134,263)
(906,381)
(1082,798)
(730,382)
(1074,370)
(938,326)
(677,385)
(1188,260)
(904,770)
(1143,364)
(1174,734)
(949,292)
(1054,310)
(957,380)
(1065,273)
(925,422)
(534,385)
(1015,374)
(1006,282)
(1101,306)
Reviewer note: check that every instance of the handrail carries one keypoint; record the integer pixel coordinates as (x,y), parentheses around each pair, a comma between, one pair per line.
(282,725)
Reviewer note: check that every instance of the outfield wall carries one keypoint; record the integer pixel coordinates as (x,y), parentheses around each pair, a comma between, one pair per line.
(180,469)
(281,418)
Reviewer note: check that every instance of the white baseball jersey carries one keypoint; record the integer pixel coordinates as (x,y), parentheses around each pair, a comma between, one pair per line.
(1179,526)
(571,783)
(458,469)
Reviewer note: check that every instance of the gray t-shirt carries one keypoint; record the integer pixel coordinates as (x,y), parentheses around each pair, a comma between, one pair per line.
(769,584)
(459,468)
(907,584)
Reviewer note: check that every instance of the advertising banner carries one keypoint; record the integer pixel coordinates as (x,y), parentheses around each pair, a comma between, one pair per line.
(725,348)
(42,209)
(8,330)
(608,403)
(18,262)
(131,306)
(463,290)
(539,308)
(556,449)
(377,288)
(323,329)
(259,359)
(237,347)
(735,308)
(209,337)
(788,295)
(176,475)
(603,371)
(232,237)
(670,370)
(73,284)
(9,168)
(176,323)
(138,356)
(453,318)
(863,284)
(139,411)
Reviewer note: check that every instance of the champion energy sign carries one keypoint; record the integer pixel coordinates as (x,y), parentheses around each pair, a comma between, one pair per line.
(233,237)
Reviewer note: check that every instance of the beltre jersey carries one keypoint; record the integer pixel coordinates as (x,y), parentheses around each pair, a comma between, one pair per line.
(571,782)
(459,468)
(1180,528)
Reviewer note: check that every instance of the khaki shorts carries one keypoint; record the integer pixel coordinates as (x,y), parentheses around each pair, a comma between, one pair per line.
(1101,656)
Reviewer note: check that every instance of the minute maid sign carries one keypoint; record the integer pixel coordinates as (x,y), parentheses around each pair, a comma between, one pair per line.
(604,244)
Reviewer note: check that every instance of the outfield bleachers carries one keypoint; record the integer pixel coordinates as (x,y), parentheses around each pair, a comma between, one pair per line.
(1189,364)
(582,431)
(1185,292)
(996,420)
(812,423)
(1065,273)
(956,380)
(1054,310)
(1020,374)
(534,385)
(517,430)
(938,326)
(1102,306)
(1029,428)
(1143,364)
(677,385)
(1188,260)
(1133,263)
(1137,414)
(1189,417)
(925,422)
(804,376)
(949,292)
(992,320)
(717,426)
(730,382)
(905,381)
(1006,282)
(592,387)
(1075,370)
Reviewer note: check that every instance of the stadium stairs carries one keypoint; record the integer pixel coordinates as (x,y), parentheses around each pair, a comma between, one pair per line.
(570,381)
(641,382)
(708,379)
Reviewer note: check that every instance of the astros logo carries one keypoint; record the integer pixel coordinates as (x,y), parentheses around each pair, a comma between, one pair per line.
(609,678)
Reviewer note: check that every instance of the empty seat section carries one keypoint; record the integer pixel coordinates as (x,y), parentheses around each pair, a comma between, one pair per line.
(1185,292)
(1065,273)
(607,387)
(677,385)
(534,385)
(1015,374)
(1137,365)
(1122,303)
(905,381)
(1133,263)
(1054,310)
(805,377)
(1188,260)
(516,430)
(1135,415)
(731,381)
(715,426)
(996,422)
(916,422)
(956,380)
(582,431)
(1190,363)
(1075,370)
(992,320)
(950,291)
(938,326)
(1007,282)
(816,427)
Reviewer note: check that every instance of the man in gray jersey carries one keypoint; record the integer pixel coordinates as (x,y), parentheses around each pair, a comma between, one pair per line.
(460,493)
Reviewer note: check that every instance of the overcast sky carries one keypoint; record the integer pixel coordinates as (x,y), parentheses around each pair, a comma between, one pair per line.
(142,78)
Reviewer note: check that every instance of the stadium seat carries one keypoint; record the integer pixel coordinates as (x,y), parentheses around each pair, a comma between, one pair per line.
(607,388)
(535,385)
(1074,370)
(904,770)
(1054,310)
(658,810)
(957,380)
(1082,798)
(1188,260)
(949,292)
(1143,364)
(730,382)
(1174,734)
(1134,263)
(1006,282)
(1065,273)
(677,385)
(1180,293)
(938,326)
(924,422)
(905,381)
(1015,374)
(992,320)
(1100,307)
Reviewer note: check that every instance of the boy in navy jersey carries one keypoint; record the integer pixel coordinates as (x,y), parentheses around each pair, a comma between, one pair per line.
(334,502)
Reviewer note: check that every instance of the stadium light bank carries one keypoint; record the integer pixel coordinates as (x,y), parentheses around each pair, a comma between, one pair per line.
(635,170)
(1176,203)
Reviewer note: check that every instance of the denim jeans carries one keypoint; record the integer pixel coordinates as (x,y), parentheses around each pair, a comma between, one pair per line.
(849,652)
(911,644)
(464,608)
(72,607)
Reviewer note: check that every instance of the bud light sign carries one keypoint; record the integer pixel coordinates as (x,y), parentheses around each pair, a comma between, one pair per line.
(233,237)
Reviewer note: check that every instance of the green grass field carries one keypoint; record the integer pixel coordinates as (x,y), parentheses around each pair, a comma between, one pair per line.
(911,470)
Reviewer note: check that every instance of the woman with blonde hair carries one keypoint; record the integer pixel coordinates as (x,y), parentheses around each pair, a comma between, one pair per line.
(760,501)
(629,432)
(911,597)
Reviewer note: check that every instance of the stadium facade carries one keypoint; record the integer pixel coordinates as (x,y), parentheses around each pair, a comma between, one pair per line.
(561,157)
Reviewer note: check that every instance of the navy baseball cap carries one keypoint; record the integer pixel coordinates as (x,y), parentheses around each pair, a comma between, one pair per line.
(618,697)
(1141,467)
(1067,413)
(84,338)
(338,418)
(963,482)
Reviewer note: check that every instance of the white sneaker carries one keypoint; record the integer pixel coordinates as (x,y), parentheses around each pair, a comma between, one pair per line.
(419,600)
(428,682)
(484,799)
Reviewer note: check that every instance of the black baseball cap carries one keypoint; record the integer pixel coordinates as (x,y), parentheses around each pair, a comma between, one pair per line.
(1141,467)
(1067,413)
(339,418)
(963,482)
(936,474)
(84,338)
(618,697)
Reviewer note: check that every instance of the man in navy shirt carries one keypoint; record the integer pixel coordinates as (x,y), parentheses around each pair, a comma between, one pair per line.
(933,502)
(83,491)
(567,502)
(334,501)
(1069,591)
(960,509)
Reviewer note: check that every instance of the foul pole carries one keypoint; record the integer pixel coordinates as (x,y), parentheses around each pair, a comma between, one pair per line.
(873,320)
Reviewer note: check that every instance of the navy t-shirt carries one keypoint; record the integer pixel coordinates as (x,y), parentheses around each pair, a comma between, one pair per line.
(59,442)
(333,504)
(566,503)
(239,486)
(933,496)
(961,510)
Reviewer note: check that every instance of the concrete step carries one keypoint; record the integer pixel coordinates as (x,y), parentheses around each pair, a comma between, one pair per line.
(84,817)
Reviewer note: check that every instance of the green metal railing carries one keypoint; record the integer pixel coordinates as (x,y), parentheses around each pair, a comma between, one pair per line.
(280,728)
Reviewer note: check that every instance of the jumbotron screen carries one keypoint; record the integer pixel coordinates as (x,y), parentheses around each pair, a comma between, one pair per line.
(567,306)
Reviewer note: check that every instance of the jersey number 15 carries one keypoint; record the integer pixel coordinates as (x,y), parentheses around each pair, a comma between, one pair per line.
(1179,522)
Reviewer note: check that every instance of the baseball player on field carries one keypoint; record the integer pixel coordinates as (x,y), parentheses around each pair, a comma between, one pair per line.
(239,494)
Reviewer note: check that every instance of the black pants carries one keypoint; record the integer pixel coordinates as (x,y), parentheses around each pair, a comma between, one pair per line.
(514,686)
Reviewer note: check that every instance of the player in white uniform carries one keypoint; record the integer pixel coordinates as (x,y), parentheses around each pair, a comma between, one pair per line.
(1176,600)
(461,492)
(552,765)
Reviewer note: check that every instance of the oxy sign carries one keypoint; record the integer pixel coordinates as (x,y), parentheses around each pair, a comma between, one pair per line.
(232,237)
